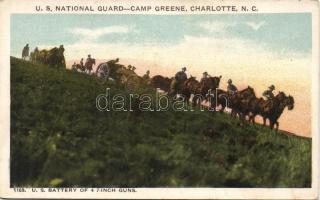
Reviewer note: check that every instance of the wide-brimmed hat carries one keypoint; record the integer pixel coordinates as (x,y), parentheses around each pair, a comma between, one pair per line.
(205,73)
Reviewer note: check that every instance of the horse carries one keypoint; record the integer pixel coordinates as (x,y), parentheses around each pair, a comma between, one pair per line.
(88,65)
(240,103)
(42,56)
(80,67)
(161,82)
(200,89)
(259,104)
(255,108)
(53,57)
(273,108)
(191,86)
(219,98)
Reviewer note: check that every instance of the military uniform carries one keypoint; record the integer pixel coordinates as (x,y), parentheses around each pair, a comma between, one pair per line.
(25,51)
(269,93)
(88,60)
(146,76)
(204,77)
(231,89)
(81,62)
(177,83)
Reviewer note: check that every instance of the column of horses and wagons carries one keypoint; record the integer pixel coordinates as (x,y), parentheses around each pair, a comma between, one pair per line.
(243,104)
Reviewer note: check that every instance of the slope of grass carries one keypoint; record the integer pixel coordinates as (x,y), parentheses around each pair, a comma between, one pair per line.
(59,138)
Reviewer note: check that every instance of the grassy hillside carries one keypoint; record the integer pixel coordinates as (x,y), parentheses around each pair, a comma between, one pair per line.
(59,138)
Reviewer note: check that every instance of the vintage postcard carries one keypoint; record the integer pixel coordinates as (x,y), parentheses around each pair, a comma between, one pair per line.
(159,99)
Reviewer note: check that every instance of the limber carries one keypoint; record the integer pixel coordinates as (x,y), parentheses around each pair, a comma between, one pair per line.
(146,102)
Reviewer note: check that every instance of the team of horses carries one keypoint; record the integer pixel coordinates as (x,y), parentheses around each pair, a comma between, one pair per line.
(243,104)
(53,57)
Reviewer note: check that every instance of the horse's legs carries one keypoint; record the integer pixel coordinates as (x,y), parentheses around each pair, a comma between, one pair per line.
(232,113)
(252,118)
(187,98)
(271,124)
(194,101)
(242,118)
(277,125)
(222,108)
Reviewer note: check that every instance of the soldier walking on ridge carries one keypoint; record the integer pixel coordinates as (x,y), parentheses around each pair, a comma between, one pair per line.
(25,52)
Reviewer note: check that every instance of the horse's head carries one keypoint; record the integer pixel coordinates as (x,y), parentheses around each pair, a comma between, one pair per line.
(213,82)
(216,80)
(289,101)
(248,92)
(281,95)
(61,50)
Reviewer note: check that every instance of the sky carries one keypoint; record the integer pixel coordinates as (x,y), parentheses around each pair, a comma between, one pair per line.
(251,49)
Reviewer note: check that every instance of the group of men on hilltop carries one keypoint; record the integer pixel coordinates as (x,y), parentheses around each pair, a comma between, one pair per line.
(82,64)
(181,76)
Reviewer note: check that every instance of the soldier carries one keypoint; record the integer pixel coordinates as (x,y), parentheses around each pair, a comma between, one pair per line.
(34,55)
(81,63)
(74,67)
(25,52)
(269,93)
(181,76)
(205,75)
(89,63)
(88,59)
(231,89)
(62,61)
(178,81)
(146,76)
(61,47)
(133,68)
(129,67)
